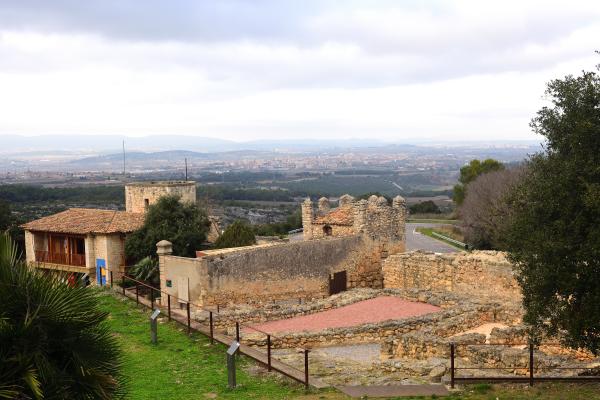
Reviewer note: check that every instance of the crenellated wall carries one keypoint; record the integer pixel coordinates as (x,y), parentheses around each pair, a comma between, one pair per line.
(373,217)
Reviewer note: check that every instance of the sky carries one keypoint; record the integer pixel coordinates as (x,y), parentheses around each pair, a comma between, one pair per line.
(275,69)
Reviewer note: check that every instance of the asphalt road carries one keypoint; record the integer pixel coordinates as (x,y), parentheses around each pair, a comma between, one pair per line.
(417,241)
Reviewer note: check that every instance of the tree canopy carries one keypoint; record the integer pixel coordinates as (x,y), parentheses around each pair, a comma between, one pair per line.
(486,208)
(554,234)
(5,216)
(425,207)
(237,234)
(470,172)
(185,225)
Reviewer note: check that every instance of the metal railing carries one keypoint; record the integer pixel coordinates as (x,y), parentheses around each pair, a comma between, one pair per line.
(77,260)
(211,326)
(530,376)
(449,239)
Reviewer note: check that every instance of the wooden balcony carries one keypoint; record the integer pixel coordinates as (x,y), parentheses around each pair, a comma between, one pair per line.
(66,259)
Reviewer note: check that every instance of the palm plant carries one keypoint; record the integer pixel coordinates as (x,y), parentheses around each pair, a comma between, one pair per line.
(54,343)
(146,270)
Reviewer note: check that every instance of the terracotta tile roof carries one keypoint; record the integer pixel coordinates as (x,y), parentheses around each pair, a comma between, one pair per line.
(338,216)
(87,220)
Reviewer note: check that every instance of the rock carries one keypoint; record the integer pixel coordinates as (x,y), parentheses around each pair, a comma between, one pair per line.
(437,372)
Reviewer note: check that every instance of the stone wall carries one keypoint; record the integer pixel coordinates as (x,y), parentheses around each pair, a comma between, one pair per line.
(374,218)
(482,273)
(138,196)
(278,271)
(457,314)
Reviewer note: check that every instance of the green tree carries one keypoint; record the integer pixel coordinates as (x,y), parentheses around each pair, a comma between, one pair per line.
(5,216)
(470,172)
(185,225)
(236,235)
(425,207)
(54,342)
(554,234)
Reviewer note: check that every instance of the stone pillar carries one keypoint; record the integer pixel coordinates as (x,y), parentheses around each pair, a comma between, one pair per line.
(163,248)
(307,218)
(360,216)
(323,206)
(400,213)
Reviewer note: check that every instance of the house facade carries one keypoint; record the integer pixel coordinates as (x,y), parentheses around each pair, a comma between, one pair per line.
(92,241)
(81,240)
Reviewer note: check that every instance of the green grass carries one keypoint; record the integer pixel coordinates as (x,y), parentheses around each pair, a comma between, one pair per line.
(433,221)
(183,367)
(429,232)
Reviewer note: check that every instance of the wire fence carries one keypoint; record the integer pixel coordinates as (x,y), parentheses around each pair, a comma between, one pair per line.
(267,359)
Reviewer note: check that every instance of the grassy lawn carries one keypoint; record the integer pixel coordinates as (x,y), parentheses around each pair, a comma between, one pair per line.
(182,367)
(429,232)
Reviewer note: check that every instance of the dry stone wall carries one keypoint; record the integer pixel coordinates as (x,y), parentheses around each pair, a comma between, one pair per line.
(457,314)
(486,274)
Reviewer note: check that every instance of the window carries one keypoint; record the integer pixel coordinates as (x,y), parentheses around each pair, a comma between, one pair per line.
(327,231)
(146,203)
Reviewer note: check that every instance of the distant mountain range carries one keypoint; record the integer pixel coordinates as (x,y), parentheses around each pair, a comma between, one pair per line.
(112,144)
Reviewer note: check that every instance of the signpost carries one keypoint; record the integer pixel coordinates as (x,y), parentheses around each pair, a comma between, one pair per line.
(153,325)
(235,345)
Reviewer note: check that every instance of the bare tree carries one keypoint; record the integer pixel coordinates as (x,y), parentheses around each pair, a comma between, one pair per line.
(486,209)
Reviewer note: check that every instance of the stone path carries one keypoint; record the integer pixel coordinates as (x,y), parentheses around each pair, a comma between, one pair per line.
(181,317)
(374,310)
(394,390)
(360,353)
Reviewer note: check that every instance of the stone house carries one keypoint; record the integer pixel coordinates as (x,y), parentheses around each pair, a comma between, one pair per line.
(92,241)
(81,240)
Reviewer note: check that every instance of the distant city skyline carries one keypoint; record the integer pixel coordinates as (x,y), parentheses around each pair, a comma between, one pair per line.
(239,70)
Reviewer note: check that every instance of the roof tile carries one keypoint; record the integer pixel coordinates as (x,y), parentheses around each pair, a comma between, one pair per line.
(87,220)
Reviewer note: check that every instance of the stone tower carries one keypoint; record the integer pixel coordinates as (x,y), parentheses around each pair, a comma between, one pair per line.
(140,195)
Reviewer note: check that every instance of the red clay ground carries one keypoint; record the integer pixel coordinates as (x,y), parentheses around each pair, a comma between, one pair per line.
(378,309)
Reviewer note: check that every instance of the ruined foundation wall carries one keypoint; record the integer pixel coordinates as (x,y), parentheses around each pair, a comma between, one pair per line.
(482,273)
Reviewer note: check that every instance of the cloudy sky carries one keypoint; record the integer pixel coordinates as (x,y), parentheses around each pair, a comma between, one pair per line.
(245,70)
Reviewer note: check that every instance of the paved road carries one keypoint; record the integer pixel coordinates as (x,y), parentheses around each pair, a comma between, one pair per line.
(417,241)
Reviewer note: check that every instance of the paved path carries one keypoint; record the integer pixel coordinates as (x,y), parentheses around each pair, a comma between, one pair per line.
(393,390)
(417,241)
(374,310)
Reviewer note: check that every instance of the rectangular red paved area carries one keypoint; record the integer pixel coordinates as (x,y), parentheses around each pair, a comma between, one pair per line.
(378,309)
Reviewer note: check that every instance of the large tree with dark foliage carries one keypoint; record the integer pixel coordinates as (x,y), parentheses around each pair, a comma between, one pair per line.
(54,342)
(237,234)
(185,225)
(554,234)
(470,172)
(5,216)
